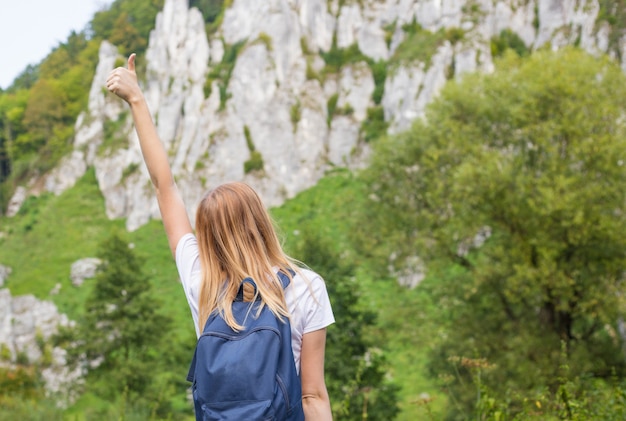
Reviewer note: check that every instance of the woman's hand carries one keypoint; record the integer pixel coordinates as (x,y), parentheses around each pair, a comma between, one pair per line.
(123,82)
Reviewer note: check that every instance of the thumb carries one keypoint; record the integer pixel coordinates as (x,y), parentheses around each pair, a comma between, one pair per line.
(131,62)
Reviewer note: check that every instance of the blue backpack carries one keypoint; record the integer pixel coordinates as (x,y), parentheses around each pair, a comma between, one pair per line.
(247,375)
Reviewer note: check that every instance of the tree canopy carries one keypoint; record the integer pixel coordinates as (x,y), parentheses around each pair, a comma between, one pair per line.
(511,191)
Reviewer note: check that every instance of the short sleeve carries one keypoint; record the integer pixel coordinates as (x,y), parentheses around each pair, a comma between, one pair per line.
(188,265)
(319,311)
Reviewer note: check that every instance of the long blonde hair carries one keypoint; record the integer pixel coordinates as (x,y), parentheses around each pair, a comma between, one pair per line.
(236,240)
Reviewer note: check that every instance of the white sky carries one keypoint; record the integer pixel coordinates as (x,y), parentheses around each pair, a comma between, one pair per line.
(30,29)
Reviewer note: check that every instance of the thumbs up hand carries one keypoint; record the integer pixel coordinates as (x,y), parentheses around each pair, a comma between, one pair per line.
(123,82)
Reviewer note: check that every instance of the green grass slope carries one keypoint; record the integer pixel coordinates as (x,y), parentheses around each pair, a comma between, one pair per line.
(51,232)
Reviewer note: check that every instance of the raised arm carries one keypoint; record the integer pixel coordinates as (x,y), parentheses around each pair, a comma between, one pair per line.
(315,400)
(123,83)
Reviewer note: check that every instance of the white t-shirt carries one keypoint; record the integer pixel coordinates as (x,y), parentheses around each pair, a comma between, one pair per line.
(308,303)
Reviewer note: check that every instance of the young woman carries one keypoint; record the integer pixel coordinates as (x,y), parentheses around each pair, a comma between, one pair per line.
(234,239)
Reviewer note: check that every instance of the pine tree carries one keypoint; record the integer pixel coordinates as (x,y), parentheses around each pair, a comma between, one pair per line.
(122,332)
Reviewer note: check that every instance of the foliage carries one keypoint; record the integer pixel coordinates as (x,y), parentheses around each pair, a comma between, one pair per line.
(576,398)
(419,45)
(127,24)
(212,11)
(295,112)
(12,105)
(255,162)
(332,110)
(613,12)
(513,194)
(331,107)
(336,57)
(23,395)
(355,368)
(248,136)
(221,72)
(122,330)
(379,71)
(38,112)
(23,392)
(26,79)
(19,379)
(43,113)
(264,39)
(508,40)
(374,126)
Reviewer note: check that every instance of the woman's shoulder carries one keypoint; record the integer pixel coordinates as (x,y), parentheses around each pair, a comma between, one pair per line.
(307,274)
(307,281)
(185,242)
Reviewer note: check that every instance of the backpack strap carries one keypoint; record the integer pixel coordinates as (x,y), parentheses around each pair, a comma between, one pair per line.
(192,368)
(250,281)
(284,279)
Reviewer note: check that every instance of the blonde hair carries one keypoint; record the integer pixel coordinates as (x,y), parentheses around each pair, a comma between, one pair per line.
(236,240)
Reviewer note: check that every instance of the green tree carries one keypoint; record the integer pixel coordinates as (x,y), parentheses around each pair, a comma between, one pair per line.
(24,395)
(355,365)
(38,112)
(122,330)
(127,24)
(512,192)
(35,135)
(12,106)
(210,9)
(26,79)
(43,113)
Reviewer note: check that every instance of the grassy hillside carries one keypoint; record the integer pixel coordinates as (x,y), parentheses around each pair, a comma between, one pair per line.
(51,232)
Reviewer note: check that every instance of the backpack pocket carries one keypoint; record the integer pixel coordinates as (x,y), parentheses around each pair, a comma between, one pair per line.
(238,410)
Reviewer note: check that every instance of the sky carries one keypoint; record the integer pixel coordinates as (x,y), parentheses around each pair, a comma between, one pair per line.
(30,29)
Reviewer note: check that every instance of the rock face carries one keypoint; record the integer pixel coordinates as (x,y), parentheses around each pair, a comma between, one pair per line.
(84,269)
(26,325)
(273,108)
(5,271)
(16,201)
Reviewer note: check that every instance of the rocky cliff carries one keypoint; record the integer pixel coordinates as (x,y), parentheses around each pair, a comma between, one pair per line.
(268,122)
(26,326)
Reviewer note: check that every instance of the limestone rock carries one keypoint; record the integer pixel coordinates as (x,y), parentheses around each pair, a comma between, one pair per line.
(409,90)
(410,273)
(5,271)
(273,106)
(84,269)
(16,201)
(89,127)
(27,323)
